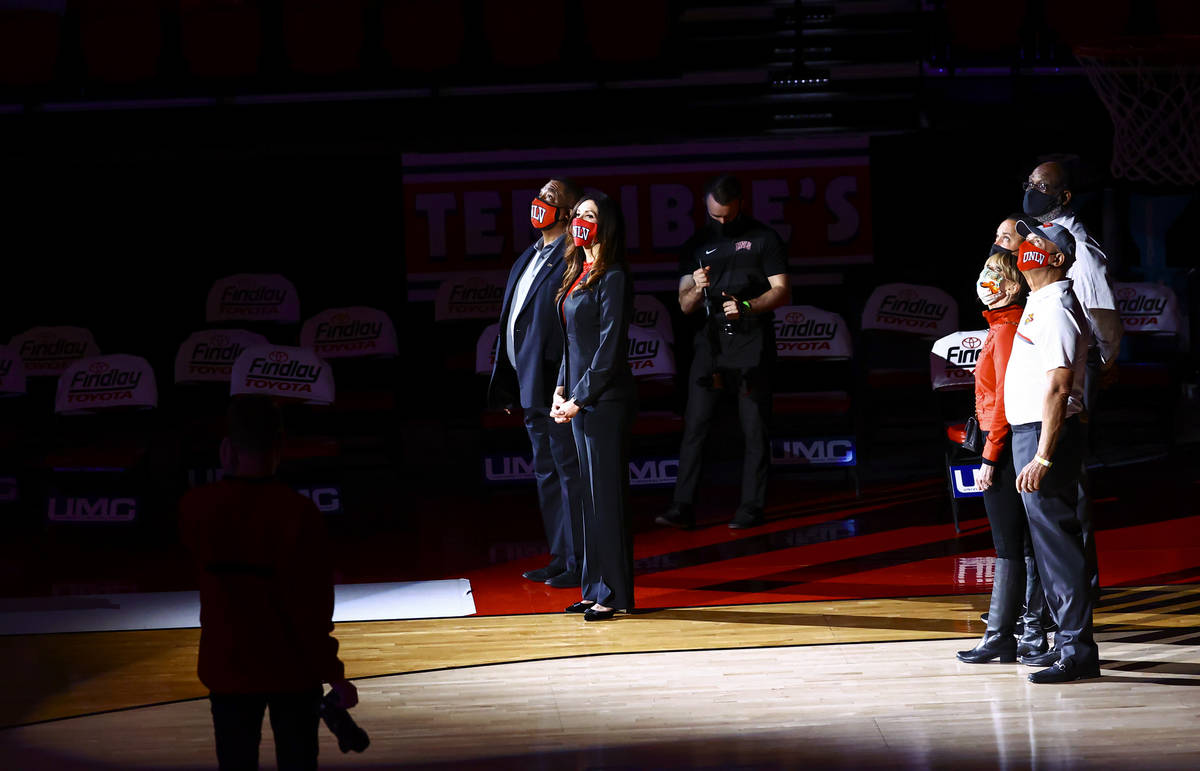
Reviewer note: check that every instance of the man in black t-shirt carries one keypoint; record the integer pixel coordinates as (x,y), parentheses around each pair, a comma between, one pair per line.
(735,273)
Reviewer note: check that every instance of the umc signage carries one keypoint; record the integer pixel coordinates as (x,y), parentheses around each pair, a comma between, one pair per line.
(965,480)
(643,472)
(814,451)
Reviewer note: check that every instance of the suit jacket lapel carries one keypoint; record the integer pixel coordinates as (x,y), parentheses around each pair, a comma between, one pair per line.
(518,269)
(547,268)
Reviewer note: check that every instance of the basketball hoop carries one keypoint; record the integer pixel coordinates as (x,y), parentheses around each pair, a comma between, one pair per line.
(1151,88)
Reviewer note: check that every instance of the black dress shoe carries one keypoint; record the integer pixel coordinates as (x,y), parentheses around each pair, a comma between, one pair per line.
(995,645)
(745,518)
(579,607)
(568,579)
(678,515)
(541,575)
(1040,659)
(1064,671)
(598,615)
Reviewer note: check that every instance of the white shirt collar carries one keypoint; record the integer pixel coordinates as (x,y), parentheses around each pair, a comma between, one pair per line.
(1056,289)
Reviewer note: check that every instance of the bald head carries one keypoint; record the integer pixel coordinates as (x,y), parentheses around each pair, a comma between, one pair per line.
(1053,175)
(1047,192)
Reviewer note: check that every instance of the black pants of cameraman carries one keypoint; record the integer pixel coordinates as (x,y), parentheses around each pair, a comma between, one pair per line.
(752,390)
(237,722)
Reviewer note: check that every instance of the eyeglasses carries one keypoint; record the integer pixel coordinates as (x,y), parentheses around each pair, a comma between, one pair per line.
(1041,187)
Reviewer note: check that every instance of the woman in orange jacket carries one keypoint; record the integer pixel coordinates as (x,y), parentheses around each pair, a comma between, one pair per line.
(1001,288)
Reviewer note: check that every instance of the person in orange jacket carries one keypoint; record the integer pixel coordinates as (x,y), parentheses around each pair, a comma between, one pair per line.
(1001,288)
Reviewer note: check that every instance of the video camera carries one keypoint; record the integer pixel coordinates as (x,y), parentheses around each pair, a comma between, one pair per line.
(349,736)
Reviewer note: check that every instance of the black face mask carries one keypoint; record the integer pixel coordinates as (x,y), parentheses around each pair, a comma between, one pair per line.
(726,229)
(998,249)
(1037,203)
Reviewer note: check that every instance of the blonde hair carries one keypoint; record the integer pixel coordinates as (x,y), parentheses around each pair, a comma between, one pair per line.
(1006,264)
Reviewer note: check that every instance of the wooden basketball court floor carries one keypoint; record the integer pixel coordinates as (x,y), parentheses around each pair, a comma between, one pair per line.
(850,683)
(825,639)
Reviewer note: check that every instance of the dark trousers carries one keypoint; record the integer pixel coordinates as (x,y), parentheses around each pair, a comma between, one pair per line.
(237,722)
(1091,393)
(1058,538)
(556,469)
(602,439)
(1006,511)
(753,394)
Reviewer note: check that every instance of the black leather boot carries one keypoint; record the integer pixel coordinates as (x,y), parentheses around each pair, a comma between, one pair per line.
(998,641)
(1033,636)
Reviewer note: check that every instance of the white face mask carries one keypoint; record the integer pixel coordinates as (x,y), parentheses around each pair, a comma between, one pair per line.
(987,286)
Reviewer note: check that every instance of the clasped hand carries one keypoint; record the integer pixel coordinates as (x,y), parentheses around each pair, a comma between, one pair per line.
(563,409)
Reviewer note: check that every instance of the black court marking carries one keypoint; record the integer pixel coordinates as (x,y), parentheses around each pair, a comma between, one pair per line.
(850,565)
(878,518)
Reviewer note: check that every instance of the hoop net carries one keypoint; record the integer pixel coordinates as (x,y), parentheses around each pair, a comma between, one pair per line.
(1151,88)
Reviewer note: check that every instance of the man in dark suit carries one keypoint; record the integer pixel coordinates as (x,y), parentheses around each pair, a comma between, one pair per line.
(525,374)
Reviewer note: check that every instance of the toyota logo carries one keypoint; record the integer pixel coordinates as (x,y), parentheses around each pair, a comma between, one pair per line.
(277,356)
(971,342)
(795,317)
(220,340)
(1126,293)
(97,367)
(341,318)
(907,294)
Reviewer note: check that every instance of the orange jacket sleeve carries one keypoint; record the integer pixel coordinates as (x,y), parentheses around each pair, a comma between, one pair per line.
(1001,350)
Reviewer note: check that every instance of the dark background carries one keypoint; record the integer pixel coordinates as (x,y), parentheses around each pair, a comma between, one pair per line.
(120,207)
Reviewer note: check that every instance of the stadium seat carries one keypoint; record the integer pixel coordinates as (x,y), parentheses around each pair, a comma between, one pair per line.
(525,36)
(323,37)
(614,40)
(815,424)
(952,363)
(121,40)
(101,472)
(221,38)
(899,322)
(1145,394)
(29,44)
(983,31)
(423,37)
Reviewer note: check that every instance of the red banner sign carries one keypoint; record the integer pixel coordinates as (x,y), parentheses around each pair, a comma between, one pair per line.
(470,212)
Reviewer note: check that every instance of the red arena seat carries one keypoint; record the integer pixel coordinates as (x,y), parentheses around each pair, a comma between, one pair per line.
(29,44)
(517,33)
(121,40)
(421,36)
(221,38)
(323,37)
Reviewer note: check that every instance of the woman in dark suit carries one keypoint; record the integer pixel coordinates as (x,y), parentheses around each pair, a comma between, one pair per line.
(596,394)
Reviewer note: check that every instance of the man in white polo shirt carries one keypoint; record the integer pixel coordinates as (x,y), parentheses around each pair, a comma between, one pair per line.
(1043,399)
(1048,199)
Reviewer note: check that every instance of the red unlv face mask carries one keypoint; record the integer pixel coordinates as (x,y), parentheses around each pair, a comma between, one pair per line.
(1031,257)
(583,231)
(541,214)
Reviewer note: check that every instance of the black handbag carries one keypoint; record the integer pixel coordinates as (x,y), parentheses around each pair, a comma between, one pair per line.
(973,439)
